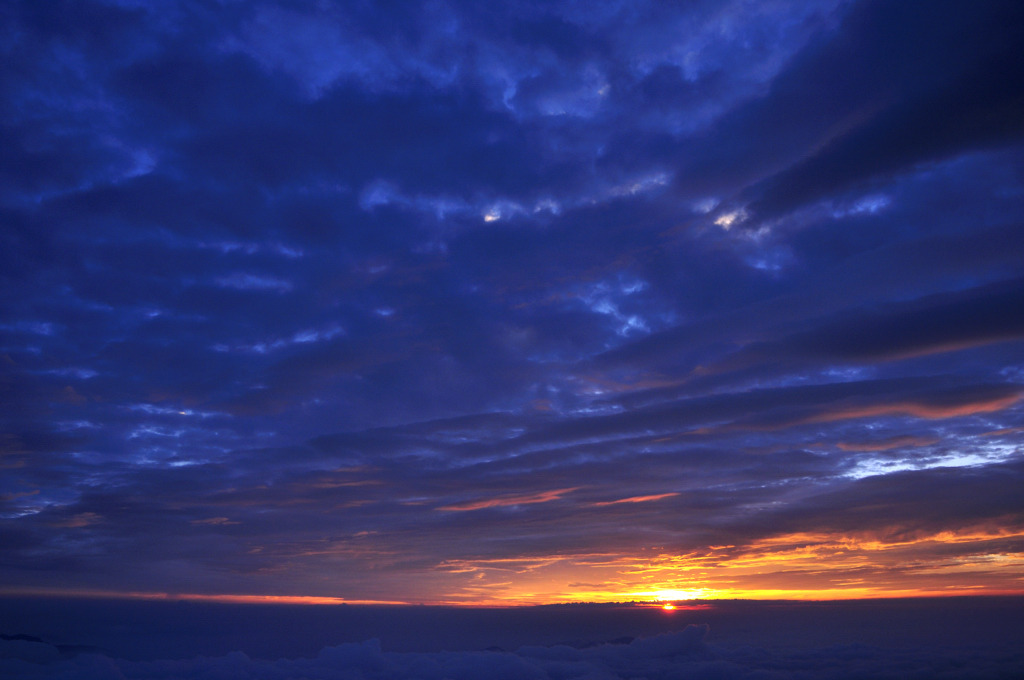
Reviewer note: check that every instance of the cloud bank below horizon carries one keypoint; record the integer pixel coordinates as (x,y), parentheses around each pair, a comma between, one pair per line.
(671,655)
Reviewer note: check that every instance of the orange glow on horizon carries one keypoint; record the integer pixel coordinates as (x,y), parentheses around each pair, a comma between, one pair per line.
(703,603)
(810,566)
(191,597)
(983,559)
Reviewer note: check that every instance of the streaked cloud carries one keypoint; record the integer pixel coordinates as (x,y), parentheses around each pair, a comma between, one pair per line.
(511,500)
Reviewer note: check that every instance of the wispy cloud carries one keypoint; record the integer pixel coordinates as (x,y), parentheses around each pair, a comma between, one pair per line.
(509,500)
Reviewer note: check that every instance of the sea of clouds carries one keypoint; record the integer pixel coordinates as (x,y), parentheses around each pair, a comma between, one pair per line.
(677,655)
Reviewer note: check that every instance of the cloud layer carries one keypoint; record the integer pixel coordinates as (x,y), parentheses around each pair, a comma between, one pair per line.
(455,303)
(670,655)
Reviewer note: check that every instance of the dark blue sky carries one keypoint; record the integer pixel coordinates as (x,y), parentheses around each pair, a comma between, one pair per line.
(467,302)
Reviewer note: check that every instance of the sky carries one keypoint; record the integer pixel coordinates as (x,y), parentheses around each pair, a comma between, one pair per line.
(513,302)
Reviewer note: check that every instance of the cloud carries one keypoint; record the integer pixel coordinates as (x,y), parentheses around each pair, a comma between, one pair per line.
(505,501)
(244,281)
(980,105)
(940,323)
(638,499)
(885,444)
(665,655)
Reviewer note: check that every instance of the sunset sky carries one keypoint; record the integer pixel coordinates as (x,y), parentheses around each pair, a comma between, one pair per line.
(511,302)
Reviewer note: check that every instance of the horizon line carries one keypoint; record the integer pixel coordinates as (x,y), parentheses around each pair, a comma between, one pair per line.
(323,600)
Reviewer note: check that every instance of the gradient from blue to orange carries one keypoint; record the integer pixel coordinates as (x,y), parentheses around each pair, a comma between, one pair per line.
(497,303)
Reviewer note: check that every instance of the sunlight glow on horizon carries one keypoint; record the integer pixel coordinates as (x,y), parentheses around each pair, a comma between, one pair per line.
(312,600)
(668,600)
(691,594)
(797,566)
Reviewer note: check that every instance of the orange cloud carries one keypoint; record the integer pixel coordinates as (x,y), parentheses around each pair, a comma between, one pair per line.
(221,521)
(637,499)
(929,411)
(503,501)
(806,566)
(887,444)
(951,346)
(82,519)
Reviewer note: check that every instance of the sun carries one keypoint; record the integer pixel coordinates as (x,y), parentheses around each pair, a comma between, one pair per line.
(668,606)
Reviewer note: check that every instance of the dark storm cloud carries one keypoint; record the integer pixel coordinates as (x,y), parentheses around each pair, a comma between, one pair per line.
(308,297)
